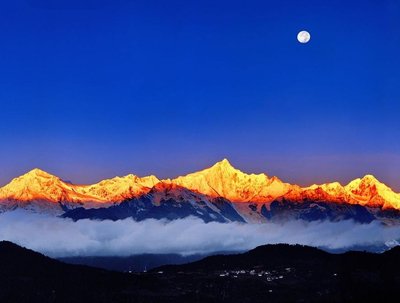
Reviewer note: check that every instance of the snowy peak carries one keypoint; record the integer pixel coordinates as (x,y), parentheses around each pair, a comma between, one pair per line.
(120,188)
(222,169)
(368,181)
(369,191)
(36,175)
(223,180)
(365,191)
(370,178)
(38,185)
(333,192)
(225,171)
(37,172)
(223,165)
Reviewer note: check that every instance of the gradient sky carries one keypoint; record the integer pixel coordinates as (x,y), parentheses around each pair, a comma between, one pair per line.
(96,88)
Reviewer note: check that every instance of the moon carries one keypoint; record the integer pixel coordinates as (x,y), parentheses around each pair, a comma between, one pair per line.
(303,37)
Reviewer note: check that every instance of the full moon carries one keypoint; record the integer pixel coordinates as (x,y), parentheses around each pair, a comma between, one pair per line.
(303,37)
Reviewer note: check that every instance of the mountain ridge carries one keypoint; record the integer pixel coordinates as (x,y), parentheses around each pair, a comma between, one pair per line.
(221,180)
(268,273)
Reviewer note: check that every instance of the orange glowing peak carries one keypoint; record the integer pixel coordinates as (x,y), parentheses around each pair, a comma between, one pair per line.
(370,191)
(223,180)
(120,188)
(38,185)
(366,191)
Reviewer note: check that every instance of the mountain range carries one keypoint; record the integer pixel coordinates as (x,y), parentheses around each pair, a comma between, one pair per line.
(220,193)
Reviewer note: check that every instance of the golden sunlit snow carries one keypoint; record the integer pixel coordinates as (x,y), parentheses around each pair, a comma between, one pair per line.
(220,180)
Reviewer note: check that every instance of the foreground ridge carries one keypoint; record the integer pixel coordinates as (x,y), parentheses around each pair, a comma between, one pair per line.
(269,273)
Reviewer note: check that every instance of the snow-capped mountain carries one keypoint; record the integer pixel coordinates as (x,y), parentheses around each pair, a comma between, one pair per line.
(254,198)
(41,191)
(368,191)
(164,201)
(40,185)
(120,188)
(223,180)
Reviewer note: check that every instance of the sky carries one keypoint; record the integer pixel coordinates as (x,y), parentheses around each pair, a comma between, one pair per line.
(93,89)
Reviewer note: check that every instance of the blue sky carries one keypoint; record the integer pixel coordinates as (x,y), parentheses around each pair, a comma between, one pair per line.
(93,89)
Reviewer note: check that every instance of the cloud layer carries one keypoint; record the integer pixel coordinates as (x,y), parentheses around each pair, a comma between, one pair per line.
(59,237)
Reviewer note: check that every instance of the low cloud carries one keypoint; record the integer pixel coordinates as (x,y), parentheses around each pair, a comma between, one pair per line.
(59,237)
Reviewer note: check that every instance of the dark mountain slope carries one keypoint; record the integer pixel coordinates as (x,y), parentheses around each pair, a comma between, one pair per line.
(271,273)
(27,276)
(300,274)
